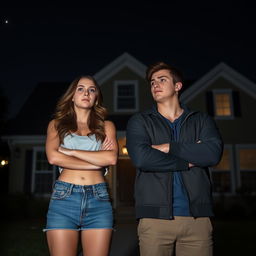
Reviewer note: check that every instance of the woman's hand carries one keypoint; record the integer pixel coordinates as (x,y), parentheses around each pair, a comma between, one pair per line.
(65,151)
(107,144)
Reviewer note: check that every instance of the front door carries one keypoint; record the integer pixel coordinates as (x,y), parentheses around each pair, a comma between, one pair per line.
(125,182)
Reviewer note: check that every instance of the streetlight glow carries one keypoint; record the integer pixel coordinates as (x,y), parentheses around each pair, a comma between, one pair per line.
(4,162)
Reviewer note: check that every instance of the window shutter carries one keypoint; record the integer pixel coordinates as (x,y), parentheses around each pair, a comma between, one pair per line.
(209,103)
(236,103)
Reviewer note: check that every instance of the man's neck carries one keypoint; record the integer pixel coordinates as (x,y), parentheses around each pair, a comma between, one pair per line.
(170,109)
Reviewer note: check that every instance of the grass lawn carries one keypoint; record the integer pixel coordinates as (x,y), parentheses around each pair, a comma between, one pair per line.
(25,238)
(236,238)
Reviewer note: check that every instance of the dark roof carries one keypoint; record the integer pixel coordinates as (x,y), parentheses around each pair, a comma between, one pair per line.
(37,111)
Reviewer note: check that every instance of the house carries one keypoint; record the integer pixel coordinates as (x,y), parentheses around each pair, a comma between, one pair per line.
(125,92)
(226,95)
(229,98)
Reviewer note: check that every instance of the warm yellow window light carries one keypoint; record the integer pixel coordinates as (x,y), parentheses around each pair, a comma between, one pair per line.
(247,159)
(223,104)
(124,150)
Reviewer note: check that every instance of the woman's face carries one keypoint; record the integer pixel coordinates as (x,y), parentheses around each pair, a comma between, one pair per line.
(85,94)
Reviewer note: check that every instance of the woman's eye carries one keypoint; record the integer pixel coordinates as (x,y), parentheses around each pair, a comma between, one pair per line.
(80,89)
(93,90)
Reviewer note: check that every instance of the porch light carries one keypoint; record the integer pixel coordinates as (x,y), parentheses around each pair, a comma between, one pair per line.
(3,163)
(124,150)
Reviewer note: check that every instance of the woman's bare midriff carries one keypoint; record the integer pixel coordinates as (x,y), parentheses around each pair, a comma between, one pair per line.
(83,177)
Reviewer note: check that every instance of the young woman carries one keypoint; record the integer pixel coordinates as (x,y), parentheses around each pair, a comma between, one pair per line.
(82,144)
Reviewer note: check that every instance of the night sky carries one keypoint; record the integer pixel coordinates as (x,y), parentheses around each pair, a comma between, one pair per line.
(57,43)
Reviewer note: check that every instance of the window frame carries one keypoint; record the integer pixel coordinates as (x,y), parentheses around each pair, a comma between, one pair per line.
(223,91)
(232,172)
(239,171)
(34,171)
(118,83)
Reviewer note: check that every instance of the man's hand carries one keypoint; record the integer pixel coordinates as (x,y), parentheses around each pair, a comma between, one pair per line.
(166,148)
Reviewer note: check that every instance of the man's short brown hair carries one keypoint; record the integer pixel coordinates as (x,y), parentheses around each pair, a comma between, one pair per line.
(175,73)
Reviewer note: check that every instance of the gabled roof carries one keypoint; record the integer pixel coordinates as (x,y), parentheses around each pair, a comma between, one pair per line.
(222,70)
(35,114)
(124,60)
(37,111)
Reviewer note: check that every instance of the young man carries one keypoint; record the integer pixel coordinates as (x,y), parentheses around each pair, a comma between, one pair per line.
(172,148)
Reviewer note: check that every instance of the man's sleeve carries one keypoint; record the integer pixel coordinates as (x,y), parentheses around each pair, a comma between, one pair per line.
(143,155)
(207,151)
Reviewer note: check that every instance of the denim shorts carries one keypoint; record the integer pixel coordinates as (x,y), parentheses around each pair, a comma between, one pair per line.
(79,207)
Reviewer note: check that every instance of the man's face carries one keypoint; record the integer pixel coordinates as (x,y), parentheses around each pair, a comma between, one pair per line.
(162,86)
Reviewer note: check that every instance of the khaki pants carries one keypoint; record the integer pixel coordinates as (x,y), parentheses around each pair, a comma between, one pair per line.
(187,236)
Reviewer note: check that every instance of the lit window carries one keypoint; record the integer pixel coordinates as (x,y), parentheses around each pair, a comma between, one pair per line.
(221,175)
(223,104)
(126,98)
(247,159)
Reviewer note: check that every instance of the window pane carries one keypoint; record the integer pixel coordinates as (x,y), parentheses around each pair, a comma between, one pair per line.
(223,104)
(42,162)
(43,166)
(224,164)
(126,96)
(39,155)
(248,179)
(126,90)
(43,183)
(126,103)
(221,181)
(247,159)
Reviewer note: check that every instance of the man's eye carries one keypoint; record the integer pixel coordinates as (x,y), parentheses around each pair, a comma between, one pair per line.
(162,80)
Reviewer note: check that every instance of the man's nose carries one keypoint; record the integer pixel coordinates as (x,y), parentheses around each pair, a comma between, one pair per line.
(156,83)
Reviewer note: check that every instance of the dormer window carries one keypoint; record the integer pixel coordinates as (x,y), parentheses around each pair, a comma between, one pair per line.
(223,104)
(126,96)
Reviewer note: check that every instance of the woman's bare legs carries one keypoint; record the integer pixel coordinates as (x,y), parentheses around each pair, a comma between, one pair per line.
(96,242)
(62,242)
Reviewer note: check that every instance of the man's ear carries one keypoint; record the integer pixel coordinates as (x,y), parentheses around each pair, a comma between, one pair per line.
(178,86)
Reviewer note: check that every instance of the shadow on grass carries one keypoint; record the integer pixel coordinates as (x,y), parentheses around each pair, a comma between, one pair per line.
(24,218)
(25,238)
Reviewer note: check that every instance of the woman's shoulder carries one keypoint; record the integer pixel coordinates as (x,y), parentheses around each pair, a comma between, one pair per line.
(52,124)
(109,125)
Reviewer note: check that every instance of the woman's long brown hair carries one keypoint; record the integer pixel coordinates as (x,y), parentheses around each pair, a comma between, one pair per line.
(65,115)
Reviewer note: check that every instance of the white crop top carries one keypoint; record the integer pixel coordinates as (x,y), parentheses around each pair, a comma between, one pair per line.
(74,141)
